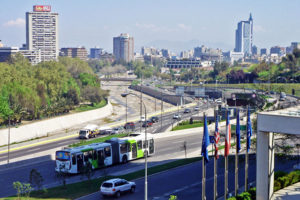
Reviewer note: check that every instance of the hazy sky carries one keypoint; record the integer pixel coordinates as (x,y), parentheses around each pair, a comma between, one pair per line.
(174,24)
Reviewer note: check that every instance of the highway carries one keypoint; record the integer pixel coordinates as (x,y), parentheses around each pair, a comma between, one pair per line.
(166,149)
(155,128)
(186,182)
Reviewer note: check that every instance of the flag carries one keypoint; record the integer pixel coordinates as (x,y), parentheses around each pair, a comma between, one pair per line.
(205,142)
(228,135)
(249,130)
(216,138)
(238,130)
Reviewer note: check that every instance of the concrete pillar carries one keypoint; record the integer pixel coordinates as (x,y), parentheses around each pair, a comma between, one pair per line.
(265,165)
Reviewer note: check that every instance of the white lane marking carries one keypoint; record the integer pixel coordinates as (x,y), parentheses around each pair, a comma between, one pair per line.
(176,142)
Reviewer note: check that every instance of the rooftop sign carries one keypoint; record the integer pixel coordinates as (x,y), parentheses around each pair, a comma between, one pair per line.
(40,8)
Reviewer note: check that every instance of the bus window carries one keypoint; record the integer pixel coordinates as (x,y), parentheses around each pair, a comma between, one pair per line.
(139,143)
(107,152)
(124,148)
(151,146)
(94,155)
(144,144)
(87,155)
(73,159)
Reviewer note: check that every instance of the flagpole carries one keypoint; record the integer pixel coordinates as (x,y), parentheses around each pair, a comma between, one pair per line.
(247,157)
(236,159)
(203,166)
(226,163)
(215,168)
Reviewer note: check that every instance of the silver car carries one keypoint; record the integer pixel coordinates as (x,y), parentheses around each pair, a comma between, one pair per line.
(117,186)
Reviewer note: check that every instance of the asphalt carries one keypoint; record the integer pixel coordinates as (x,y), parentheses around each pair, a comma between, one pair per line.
(186,182)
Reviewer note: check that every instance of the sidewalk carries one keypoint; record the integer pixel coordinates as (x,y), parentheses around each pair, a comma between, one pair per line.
(291,192)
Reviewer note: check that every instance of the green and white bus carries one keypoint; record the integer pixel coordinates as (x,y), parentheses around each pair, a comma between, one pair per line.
(110,152)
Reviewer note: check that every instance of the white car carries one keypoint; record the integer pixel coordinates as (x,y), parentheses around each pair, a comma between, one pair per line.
(218,101)
(142,119)
(197,108)
(177,116)
(116,186)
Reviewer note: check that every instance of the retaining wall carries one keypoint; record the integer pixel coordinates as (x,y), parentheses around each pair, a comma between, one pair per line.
(49,126)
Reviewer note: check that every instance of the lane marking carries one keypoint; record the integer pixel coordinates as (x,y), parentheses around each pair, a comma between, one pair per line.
(76,134)
(40,143)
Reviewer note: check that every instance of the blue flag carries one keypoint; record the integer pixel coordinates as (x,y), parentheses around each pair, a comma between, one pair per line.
(249,130)
(205,142)
(238,130)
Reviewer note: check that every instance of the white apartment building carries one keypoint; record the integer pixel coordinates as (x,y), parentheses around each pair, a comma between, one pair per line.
(42,32)
(124,47)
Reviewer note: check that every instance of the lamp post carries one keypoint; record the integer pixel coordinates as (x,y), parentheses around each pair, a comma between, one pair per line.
(146,145)
(126,110)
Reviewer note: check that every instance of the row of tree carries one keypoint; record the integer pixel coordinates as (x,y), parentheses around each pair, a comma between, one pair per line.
(47,89)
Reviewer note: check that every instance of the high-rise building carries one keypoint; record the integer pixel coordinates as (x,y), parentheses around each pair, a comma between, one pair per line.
(96,52)
(166,53)
(244,37)
(254,50)
(42,32)
(79,52)
(263,51)
(124,47)
(295,45)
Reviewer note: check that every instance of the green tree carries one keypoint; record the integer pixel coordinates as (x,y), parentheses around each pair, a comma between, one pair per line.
(36,179)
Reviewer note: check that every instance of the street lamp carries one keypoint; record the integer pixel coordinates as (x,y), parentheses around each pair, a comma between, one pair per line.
(146,143)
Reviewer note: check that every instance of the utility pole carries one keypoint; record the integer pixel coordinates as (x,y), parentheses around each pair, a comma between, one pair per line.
(126,110)
(161,109)
(8,145)
(141,97)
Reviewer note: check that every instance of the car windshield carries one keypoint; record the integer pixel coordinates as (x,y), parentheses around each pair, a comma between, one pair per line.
(107,185)
(82,132)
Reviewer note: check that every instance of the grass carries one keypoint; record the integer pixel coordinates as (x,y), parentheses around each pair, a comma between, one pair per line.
(187,125)
(83,108)
(97,140)
(76,190)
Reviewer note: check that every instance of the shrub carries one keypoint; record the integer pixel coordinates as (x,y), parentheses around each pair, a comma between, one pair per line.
(294,177)
(244,196)
(284,181)
(252,192)
(232,198)
(279,174)
(277,185)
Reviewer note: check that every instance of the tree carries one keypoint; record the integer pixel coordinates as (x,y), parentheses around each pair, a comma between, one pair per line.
(23,189)
(88,171)
(36,179)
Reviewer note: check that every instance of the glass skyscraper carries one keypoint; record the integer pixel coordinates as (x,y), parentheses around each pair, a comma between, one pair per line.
(244,37)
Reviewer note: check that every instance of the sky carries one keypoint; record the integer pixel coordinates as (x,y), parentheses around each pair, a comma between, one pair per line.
(174,24)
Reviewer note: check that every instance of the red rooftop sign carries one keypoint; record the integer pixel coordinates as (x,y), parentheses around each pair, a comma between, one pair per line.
(39,8)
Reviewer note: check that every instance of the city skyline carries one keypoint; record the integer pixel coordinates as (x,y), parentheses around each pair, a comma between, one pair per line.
(151,24)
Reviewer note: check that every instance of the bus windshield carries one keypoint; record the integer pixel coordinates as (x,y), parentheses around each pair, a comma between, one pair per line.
(62,155)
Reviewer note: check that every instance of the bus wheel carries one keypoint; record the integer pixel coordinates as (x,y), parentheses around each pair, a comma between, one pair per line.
(124,159)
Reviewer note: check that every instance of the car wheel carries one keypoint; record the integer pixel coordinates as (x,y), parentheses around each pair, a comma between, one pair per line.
(124,159)
(118,194)
(132,190)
